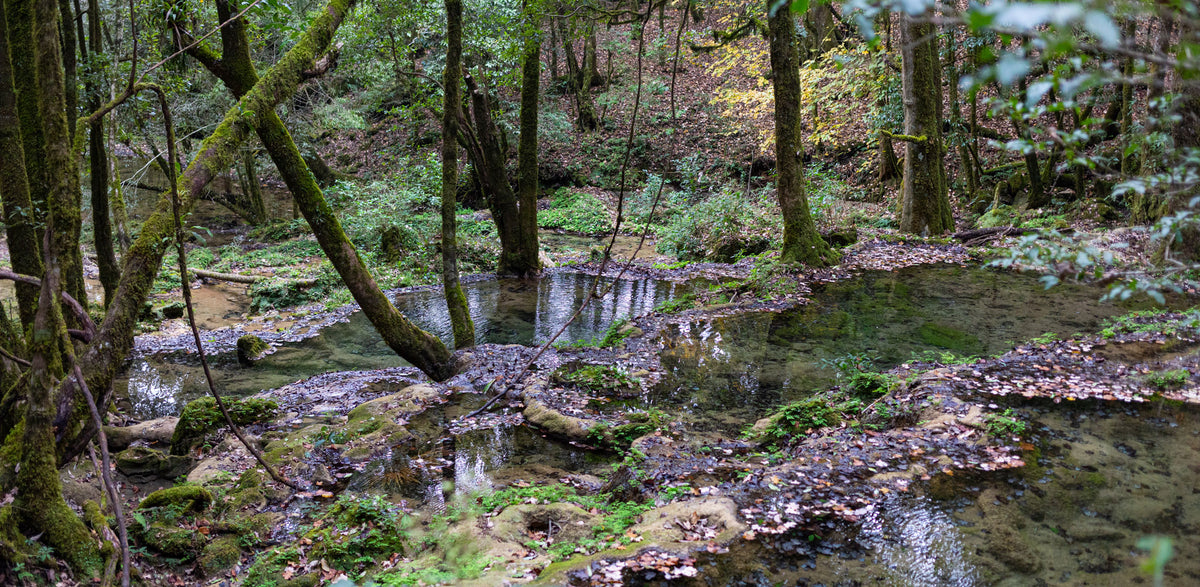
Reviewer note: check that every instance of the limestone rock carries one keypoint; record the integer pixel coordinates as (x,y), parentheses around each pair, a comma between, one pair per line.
(153,432)
(143,464)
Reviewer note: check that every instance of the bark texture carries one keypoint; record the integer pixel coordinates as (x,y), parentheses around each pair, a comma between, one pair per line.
(925,204)
(801,241)
(456,301)
(527,152)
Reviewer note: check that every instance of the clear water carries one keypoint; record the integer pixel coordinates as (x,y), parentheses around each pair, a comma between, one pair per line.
(730,370)
(505,311)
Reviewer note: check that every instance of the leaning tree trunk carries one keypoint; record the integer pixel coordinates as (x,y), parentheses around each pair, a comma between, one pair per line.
(101,359)
(456,301)
(801,242)
(418,347)
(14,188)
(925,205)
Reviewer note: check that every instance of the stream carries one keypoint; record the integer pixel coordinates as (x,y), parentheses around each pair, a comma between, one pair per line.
(1105,479)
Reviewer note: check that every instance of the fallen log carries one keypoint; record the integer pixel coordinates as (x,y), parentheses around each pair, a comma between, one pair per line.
(247,279)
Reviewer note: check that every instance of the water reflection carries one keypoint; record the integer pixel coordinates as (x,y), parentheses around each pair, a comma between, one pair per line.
(506,311)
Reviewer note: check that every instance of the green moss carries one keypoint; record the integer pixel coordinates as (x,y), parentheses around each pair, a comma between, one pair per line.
(250,348)
(945,337)
(170,539)
(191,498)
(220,554)
(597,378)
(1170,379)
(202,416)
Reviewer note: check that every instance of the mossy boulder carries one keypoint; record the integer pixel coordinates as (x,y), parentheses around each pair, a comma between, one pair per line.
(842,237)
(554,422)
(174,310)
(407,401)
(152,432)
(192,498)
(170,539)
(250,349)
(202,416)
(142,464)
(220,555)
(567,522)
(1002,215)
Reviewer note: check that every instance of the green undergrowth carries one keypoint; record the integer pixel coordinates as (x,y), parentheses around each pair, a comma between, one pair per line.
(202,416)
(577,212)
(602,379)
(619,437)
(1152,321)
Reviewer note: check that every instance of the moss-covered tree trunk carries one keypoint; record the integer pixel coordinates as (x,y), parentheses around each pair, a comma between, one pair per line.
(925,204)
(19,14)
(114,338)
(801,241)
(580,80)
(527,149)
(456,301)
(488,155)
(418,347)
(106,256)
(40,506)
(14,188)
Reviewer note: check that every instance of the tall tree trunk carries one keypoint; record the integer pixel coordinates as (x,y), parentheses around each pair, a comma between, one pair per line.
(527,152)
(256,206)
(29,108)
(487,156)
(69,63)
(106,257)
(925,205)
(580,75)
(456,301)
(14,187)
(801,242)
(40,505)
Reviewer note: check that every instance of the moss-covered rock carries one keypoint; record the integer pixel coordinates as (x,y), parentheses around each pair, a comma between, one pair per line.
(142,464)
(202,416)
(171,539)
(567,522)
(842,237)
(153,432)
(193,498)
(174,310)
(250,349)
(220,555)
(999,216)
(553,422)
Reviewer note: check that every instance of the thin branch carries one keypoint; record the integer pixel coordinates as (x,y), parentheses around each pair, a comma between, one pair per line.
(199,40)
(187,295)
(89,327)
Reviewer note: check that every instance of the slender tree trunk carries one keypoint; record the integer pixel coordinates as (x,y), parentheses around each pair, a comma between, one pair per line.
(801,242)
(14,187)
(106,257)
(487,156)
(456,301)
(527,153)
(252,190)
(925,205)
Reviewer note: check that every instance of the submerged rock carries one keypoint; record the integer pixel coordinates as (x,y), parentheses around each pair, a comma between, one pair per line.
(250,349)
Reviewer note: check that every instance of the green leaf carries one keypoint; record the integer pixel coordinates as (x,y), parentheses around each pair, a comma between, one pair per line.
(799,6)
(1100,25)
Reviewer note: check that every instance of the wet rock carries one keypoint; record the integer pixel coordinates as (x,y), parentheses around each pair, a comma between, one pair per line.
(140,463)
(192,498)
(1009,547)
(320,475)
(153,432)
(553,422)
(220,555)
(77,492)
(250,349)
(563,522)
(202,416)
(410,400)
